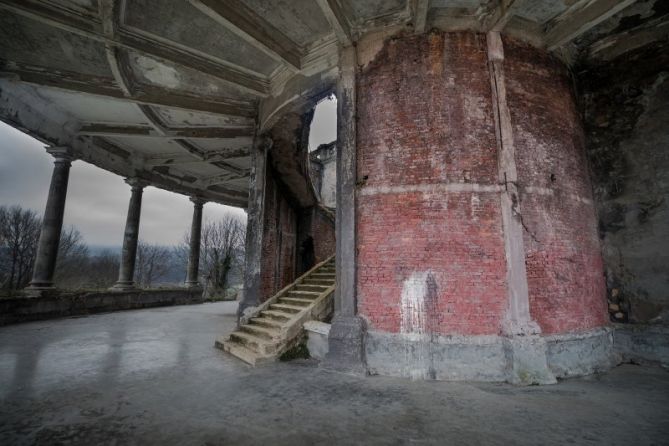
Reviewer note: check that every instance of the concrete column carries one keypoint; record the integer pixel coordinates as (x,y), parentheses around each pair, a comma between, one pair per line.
(130,237)
(254,227)
(52,223)
(195,233)
(525,348)
(346,339)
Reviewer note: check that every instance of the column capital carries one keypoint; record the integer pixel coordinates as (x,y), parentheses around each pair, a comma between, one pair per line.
(198,200)
(136,183)
(61,154)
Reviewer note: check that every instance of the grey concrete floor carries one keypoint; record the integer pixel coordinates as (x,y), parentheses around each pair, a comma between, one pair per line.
(153,377)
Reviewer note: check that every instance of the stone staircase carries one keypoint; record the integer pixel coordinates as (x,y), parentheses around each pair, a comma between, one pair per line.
(276,325)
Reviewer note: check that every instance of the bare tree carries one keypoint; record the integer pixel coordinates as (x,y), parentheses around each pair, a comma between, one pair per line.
(102,270)
(153,263)
(73,259)
(221,252)
(19,229)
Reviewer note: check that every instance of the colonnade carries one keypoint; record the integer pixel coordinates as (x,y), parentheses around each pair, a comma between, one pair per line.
(52,224)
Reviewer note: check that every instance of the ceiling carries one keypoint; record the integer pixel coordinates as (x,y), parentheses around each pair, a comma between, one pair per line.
(173,91)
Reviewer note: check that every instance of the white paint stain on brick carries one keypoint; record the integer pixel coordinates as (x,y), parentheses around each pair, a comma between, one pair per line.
(414,325)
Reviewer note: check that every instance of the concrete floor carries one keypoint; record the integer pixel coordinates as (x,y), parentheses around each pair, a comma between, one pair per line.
(153,377)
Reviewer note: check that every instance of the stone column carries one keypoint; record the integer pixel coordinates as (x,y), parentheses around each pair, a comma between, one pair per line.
(195,233)
(130,238)
(254,227)
(525,348)
(346,339)
(52,223)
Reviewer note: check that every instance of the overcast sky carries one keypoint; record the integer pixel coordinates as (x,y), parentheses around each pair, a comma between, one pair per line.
(97,200)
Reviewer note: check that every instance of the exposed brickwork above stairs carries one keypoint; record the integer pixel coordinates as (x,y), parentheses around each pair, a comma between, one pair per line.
(276,325)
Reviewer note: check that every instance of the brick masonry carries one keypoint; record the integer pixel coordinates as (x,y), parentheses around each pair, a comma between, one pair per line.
(565,271)
(279,240)
(284,231)
(428,196)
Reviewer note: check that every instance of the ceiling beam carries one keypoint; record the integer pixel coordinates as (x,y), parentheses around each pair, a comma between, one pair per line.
(166,159)
(215,180)
(497,20)
(335,15)
(109,12)
(103,86)
(420,9)
(617,44)
(579,19)
(254,29)
(93,28)
(103,129)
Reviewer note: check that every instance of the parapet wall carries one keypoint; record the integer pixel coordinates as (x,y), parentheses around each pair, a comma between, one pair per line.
(25,309)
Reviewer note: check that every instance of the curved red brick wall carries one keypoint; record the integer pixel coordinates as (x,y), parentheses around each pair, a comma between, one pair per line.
(564,263)
(430,243)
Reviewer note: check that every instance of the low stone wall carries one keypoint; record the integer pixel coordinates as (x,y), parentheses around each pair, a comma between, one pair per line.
(643,343)
(24,309)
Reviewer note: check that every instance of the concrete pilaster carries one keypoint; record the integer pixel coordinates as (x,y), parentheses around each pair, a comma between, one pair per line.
(524,347)
(254,226)
(195,233)
(52,223)
(346,339)
(130,237)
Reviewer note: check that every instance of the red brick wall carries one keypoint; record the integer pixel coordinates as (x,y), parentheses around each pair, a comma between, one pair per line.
(278,264)
(425,119)
(564,264)
(314,224)
(427,204)
(323,230)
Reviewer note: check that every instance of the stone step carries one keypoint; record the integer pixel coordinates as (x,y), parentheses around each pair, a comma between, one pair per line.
(304,294)
(271,334)
(279,316)
(259,345)
(266,322)
(324,282)
(238,350)
(279,322)
(286,308)
(300,302)
(313,288)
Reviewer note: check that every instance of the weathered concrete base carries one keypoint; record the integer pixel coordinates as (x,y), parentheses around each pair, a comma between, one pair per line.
(527,359)
(317,338)
(346,346)
(40,291)
(447,358)
(580,354)
(642,344)
(120,287)
(519,360)
(25,309)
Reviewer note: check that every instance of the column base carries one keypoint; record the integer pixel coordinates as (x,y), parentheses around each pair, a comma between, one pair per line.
(193,285)
(527,360)
(40,290)
(120,287)
(346,346)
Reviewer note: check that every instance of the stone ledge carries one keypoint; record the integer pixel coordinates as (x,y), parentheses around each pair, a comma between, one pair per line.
(484,358)
(63,304)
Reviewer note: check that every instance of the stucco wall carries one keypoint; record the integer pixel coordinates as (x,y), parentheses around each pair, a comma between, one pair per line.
(626,109)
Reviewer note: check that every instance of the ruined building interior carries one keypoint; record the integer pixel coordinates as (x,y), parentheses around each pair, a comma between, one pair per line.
(495,202)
